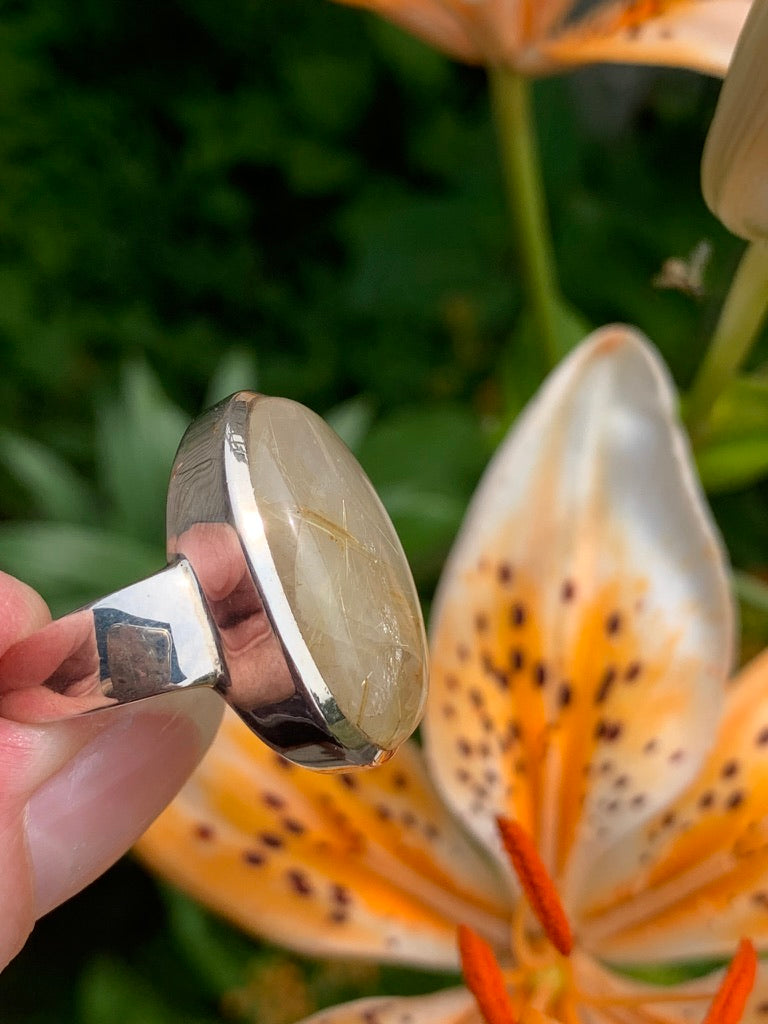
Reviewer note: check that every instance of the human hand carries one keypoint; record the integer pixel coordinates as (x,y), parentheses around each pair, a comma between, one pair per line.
(75,794)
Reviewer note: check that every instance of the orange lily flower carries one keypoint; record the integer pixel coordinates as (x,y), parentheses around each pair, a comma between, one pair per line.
(592,792)
(539,37)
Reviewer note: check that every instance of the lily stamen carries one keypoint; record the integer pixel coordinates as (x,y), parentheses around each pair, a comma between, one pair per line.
(730,999)
(536,883)
(484,978)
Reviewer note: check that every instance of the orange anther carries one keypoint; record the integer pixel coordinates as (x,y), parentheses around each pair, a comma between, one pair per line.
(484,978)
(730,999)
(536,884)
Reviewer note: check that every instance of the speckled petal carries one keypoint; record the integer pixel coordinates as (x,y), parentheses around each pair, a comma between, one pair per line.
(364,865)
(693,880)
(582,632)
(451,1006)
(697,34)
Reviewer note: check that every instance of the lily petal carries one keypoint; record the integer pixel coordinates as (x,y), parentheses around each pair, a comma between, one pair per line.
(733,167)
(696,34)
(608,998)
(451,1006)
(367,865)
(694,879)
(438,23)
(583,628)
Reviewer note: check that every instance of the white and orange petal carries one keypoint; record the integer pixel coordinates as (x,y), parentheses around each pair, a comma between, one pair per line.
(369,865)
(583,627)
(449,1006)
(734,170)
(691,881)
(696,34)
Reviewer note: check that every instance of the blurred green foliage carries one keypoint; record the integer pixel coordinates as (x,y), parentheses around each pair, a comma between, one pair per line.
(211,195)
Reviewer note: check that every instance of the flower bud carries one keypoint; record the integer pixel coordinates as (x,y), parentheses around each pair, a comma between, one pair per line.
(734,172)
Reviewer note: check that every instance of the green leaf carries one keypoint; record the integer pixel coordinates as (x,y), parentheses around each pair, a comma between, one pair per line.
(110,992)
(441,449)
(139,431)
(741,409)
(55,489)
(731,464)
(523,365)
(220,955)
(236,372)
(351,420)
(424,464)
(65,561)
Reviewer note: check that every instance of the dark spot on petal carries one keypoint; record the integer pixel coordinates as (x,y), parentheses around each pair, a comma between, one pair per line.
(481,622)
(449,711)
(463,775)
(609,731)
(638,800)
(605,767)
(408,819)
(462,652)
(706,800)
(568,590)
(464,747)
(606,684)
(452,683)
(338,916)
(204,832)
(650,746)
(293,826)
(621,781)
(299,883)
(736,799)
(540,674)
(633,671)
(565,695)
(516,659)
(762,737)
(668,819)
(613,624)
(253,857)
(504,572)
(477,698)
(270,839)
(677,756)
(340,894)
(399,781)
(729,769)
(517,615)
(383,813)
(760,898)
(348,780)
(273,800)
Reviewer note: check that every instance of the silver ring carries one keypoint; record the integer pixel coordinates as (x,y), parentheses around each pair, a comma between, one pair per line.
(287,591)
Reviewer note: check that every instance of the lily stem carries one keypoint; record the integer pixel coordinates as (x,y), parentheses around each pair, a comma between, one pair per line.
(513,114)
(741,318)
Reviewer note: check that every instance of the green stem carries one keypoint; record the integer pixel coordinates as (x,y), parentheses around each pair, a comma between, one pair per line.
(511,101)
(741,318)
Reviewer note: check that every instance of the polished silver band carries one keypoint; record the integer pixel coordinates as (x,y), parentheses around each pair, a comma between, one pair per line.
(223,614)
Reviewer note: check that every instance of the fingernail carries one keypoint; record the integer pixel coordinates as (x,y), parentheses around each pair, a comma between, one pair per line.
(82,819)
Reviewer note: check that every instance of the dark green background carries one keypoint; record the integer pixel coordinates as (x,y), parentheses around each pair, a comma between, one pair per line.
(295,196)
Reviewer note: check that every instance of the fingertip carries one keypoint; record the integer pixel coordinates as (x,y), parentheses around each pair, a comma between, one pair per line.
(83,818)
(22,611)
